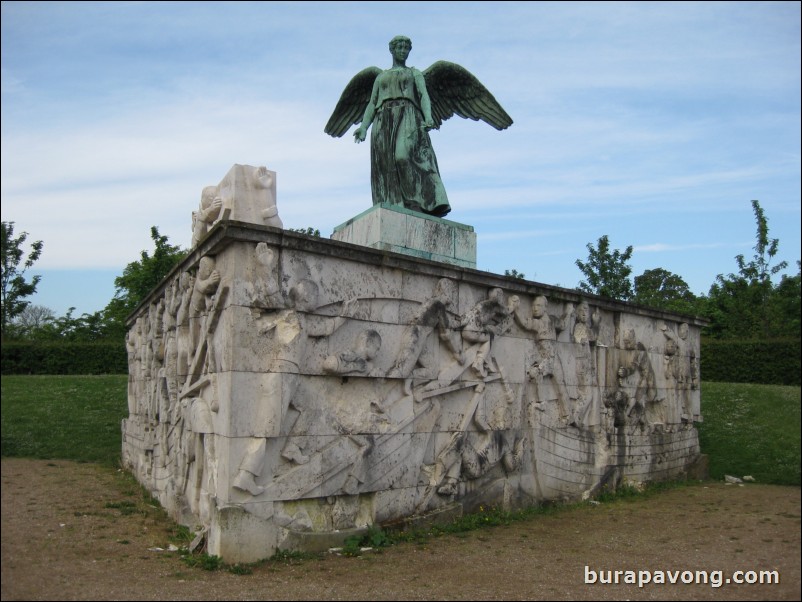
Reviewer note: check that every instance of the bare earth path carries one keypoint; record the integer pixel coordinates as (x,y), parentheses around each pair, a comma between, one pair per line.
(83,532)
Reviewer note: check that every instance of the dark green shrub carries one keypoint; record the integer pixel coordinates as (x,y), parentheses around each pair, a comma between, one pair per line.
(64,358)
(767,362)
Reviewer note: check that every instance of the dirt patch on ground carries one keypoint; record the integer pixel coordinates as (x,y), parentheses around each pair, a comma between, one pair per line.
(80,531)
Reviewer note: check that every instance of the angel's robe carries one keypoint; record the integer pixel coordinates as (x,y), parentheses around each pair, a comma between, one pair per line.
(404,168)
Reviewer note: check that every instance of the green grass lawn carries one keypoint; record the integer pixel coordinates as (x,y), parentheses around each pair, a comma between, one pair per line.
(752,430)
(68,417)
(747,429)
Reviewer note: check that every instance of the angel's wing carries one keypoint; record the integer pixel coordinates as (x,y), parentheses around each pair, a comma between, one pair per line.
(453,90)
(353,102)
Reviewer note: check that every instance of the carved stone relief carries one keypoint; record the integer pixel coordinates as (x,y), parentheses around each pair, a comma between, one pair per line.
(245,194)
(313,392)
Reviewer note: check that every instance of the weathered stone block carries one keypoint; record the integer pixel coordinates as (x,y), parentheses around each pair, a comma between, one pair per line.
(399,230)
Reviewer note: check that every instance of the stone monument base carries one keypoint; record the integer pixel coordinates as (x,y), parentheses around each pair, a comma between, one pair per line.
(314,388)
(393,228)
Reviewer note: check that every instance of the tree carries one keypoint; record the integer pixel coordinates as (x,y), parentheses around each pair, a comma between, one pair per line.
(14,286)
(760,270)
(741,305)
(606,273)
(661,289)
(86,328)
(308,231)
(33,318)
(515,274)
(786,302)
(137,280)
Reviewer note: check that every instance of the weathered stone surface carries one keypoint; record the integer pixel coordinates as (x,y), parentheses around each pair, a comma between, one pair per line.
(246,194)
(283,387)
(394,228)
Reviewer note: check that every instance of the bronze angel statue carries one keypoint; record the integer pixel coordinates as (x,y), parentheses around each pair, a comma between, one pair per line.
(403,104)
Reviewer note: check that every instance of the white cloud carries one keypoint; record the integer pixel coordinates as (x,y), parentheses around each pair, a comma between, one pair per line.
(660,247)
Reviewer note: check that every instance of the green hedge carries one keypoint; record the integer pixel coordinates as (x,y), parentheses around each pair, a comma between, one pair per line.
(765,362)
(64,358)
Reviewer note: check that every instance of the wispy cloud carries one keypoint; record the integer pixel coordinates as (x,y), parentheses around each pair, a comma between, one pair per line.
(660,247)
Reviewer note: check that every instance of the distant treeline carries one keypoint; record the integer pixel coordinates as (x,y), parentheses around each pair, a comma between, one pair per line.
(101,357)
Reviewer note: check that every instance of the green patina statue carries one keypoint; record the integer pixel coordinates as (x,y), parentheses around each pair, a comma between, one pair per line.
(403,104)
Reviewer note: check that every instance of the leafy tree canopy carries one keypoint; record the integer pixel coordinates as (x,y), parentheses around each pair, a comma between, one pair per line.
(748,304)
(308,231)
(662,289)
(15,288)
(140,277)
(606,272)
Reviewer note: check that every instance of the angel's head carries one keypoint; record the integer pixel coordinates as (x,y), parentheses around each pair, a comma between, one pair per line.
(398,41)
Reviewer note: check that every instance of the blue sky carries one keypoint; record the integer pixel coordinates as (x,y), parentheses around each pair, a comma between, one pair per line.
(653,123)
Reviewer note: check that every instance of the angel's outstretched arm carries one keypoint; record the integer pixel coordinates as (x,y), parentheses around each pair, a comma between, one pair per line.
(362,131)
